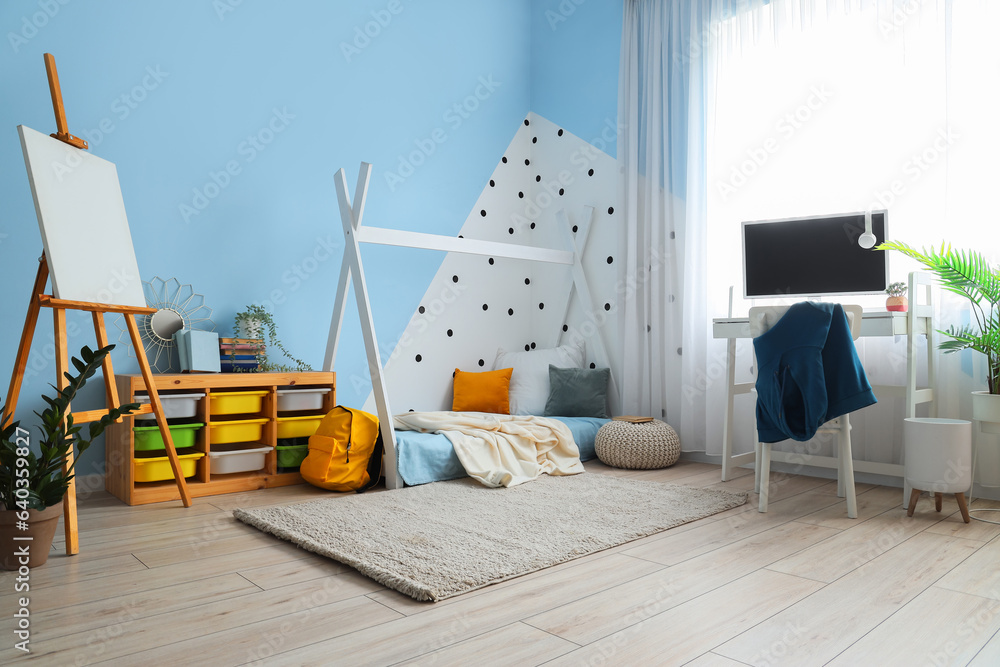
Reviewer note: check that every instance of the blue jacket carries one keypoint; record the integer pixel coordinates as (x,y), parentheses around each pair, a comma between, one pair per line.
(808,372)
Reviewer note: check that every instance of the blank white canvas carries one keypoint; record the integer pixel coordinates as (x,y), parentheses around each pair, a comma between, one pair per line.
(82,219)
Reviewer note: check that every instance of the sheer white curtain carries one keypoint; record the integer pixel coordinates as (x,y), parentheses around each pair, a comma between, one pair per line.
(744,110)
(661,151)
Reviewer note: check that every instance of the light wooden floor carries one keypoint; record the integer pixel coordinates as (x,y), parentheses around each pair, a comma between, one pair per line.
(800,585)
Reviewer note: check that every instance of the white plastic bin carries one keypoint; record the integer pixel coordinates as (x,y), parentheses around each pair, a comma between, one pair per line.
(290,400)
(237,457)
(175,406)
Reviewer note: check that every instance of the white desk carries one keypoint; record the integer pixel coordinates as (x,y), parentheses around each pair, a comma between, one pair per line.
(918,320)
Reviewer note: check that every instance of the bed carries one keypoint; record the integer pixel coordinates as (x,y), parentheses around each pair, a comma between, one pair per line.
(429,457)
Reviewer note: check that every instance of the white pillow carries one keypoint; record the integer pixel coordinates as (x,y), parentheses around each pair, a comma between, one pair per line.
(529,383)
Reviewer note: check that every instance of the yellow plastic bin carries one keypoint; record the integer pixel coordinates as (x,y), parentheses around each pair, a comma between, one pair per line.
(298,427)
(237,430)
(157,468)
(236,402)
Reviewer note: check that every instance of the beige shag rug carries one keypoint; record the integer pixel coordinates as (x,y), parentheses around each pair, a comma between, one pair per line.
(435,541)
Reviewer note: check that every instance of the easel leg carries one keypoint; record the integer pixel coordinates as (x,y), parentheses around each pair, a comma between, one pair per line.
(106,366)
(30,320)
(154,401)
(62,367)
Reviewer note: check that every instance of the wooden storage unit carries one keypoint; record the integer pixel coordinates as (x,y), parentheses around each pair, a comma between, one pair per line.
(120,453)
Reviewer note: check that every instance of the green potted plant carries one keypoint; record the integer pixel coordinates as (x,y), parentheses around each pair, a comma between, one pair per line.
(967,273)
(897,297)
(255,322)
(32,485)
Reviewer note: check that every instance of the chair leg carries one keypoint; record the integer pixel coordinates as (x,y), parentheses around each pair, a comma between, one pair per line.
(847,467)
(937,501)
(756,465)
(765,475)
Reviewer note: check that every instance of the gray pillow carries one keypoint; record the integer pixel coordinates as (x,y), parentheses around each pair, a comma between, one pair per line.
(577,392)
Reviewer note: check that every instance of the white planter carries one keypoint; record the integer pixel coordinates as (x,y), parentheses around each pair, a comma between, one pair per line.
(986,409)
(938,454)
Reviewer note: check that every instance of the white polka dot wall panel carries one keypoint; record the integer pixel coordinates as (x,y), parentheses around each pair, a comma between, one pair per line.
(476,304)
(570,174)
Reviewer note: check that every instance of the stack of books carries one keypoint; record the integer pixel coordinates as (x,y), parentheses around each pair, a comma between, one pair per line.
(240,355)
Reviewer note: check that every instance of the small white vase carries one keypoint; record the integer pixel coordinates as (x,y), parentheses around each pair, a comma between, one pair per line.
(938,454)
(986,409)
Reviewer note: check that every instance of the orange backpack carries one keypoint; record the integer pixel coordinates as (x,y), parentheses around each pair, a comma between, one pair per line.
(345,453)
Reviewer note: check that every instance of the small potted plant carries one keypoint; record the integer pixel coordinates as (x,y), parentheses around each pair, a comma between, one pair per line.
(897,298)
(32,485)
(254,323)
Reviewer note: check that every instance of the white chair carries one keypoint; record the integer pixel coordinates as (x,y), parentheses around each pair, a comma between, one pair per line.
(762,318)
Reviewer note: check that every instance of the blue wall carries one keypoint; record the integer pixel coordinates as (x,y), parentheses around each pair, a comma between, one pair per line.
(575,48)
(284,94)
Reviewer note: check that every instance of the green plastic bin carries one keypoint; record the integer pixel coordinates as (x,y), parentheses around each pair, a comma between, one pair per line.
(147,438)
(292,452)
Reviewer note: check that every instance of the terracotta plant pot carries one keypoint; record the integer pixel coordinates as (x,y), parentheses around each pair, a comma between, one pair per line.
(897,304)
(41,529)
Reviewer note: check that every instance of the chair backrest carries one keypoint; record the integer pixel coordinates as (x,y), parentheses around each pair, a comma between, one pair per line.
(762,318)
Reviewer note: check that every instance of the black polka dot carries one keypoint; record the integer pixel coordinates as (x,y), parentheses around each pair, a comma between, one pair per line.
(411,409)
(418,358)
(510,311)
(610,259)
(527,162)
(538,178)
(611,209)
(454,279)
(561,192)
(421,310)
(486,306)
(534,140)
(526,122)
(527,348)
(504,159)
(560,133)
(532,225)
(648,328)
(510,230)
(460,236)
(590,173)
(520,195)
(565,328)
(541,306)
(593,365)
(453,373)
(672,235)
(483,212)
(491,261)
(575,228)
(450,333)
(607,306)
(482,363)
(493,183)
(532,346)
(527,281)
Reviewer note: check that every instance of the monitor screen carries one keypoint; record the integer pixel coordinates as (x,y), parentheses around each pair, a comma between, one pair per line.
(813,256)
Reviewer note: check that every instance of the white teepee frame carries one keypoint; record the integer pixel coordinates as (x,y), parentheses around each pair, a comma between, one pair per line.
(352,268)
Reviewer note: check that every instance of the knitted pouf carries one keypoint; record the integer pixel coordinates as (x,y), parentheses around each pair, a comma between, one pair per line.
(622,444)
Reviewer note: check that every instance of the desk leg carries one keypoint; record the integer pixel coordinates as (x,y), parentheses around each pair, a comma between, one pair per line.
(727,426)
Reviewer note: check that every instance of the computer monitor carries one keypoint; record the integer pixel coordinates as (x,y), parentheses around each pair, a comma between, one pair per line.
(813,256)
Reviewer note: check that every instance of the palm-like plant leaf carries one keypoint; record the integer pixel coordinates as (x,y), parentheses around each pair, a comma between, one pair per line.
(968,274)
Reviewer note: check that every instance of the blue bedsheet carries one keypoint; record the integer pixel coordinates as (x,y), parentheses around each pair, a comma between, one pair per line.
(429,457)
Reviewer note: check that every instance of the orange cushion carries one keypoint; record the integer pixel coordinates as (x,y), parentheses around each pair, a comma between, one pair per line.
(482,392)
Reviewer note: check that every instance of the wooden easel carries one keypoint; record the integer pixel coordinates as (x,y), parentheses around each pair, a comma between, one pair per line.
(59,307)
